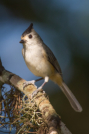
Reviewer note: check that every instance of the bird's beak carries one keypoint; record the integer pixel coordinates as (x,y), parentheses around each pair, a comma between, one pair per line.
(22,41)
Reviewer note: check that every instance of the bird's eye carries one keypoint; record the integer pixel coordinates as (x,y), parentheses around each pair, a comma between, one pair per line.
(30,36)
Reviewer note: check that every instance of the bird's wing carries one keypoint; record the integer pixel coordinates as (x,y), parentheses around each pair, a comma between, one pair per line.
(52,59)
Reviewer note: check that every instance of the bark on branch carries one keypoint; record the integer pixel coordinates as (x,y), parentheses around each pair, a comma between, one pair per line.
(49,115)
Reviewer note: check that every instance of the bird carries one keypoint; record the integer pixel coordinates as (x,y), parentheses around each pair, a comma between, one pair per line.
(41,61)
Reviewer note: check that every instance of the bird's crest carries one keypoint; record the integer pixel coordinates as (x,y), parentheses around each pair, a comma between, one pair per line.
(28,30)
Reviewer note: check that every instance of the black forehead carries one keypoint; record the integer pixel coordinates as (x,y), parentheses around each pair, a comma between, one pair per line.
(28,30)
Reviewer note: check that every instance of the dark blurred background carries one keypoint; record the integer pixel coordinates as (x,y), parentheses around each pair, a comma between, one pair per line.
(64,27)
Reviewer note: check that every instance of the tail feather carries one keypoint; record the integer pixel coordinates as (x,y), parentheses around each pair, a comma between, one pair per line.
(73,101)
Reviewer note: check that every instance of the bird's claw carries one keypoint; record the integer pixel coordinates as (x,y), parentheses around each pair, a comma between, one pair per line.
(29,83)
(36,91)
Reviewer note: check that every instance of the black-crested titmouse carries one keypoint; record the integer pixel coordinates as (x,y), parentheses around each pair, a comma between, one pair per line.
(41,62)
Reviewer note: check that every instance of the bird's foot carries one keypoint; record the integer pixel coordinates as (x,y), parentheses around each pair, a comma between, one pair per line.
(36,91)
(29,83)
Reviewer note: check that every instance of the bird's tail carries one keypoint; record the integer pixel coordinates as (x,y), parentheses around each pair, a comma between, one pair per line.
(73,101)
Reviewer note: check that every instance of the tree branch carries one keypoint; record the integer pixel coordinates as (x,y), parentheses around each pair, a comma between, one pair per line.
(49,115)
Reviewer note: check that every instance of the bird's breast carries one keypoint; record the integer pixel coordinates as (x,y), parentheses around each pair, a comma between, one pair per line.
(37,63)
